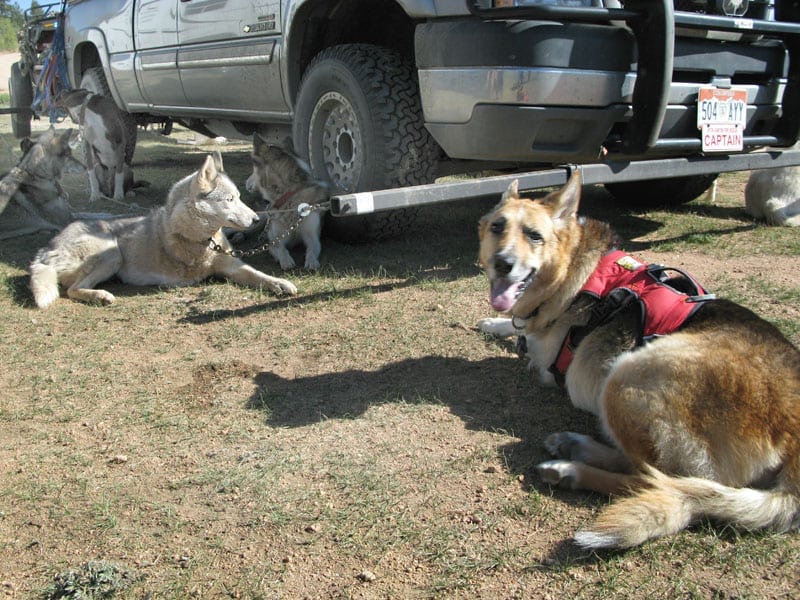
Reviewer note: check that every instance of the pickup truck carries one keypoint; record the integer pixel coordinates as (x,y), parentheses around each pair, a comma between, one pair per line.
(382,96)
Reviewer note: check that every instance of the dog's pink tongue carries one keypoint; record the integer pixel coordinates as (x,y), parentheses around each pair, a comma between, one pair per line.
(503,294)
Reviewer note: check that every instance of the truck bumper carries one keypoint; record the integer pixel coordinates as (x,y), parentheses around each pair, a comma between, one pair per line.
(547,92)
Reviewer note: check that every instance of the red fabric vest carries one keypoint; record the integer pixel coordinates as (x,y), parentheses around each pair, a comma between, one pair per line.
(665,308)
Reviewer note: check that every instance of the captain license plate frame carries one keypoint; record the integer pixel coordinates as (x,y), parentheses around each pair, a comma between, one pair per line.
(722,118)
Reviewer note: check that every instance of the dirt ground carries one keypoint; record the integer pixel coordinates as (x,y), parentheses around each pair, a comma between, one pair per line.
(359,440)
(6,60)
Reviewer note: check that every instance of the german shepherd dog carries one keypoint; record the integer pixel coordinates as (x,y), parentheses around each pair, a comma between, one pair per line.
(702,423)
(106,142)
(285,182)
(169,246)
(31,197)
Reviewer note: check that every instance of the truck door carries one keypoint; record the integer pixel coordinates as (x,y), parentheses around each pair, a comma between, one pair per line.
(156,31)
(228,56)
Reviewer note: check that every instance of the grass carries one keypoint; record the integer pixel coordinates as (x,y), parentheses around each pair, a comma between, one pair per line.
(216,441)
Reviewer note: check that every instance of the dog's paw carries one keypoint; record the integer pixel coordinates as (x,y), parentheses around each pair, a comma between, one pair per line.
(569,445)
(103,297)
(287,263)
(283,286)
(500,327)
(312,263)
(560,473)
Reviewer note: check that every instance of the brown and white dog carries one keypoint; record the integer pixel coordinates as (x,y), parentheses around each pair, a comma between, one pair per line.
(285,183)
(703,422)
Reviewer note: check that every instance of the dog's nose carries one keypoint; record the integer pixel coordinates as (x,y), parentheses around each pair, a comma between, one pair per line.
(501,265)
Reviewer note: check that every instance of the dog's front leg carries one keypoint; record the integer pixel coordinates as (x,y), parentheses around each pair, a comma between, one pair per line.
(101,266)
(281,254)
(498,326)
(309,233)
(243,274)
(119,184)
(92,164)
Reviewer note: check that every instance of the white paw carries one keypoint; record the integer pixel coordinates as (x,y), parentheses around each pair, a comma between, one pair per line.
(103,297)
(561,473)
(497,326)
(283,286)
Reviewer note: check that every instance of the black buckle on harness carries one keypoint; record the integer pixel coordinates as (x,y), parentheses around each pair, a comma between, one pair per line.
(682,282)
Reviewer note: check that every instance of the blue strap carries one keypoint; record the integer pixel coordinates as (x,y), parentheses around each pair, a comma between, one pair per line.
(53,78)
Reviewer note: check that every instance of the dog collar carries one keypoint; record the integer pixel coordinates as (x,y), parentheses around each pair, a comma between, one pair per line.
(284,199)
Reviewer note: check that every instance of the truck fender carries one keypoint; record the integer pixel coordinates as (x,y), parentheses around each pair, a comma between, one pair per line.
(96,39)
(294,15)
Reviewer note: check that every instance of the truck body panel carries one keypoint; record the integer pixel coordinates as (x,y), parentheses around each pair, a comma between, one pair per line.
(527,85)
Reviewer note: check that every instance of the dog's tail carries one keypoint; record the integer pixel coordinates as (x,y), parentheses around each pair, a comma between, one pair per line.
(44,282)
(666,505)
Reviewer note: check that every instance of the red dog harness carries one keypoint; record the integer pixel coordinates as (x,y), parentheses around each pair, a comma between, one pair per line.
(619,279)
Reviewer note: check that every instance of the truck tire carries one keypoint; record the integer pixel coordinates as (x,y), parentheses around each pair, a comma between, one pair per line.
(94,80)
(358,122)
(672,191)
(20,91)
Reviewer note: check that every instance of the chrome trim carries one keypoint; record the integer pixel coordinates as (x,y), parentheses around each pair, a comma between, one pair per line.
(227,55)
(449,95)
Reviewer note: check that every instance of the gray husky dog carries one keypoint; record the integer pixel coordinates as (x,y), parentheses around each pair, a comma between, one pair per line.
(285,182)
(31,197)
(169,246)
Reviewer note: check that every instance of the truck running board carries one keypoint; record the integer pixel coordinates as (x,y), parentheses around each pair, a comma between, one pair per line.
(610,172)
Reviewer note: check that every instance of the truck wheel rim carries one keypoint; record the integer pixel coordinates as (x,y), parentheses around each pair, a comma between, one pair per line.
(336,141)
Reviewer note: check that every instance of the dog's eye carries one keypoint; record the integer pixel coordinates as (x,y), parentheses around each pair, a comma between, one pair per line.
(533,236)
(497,227)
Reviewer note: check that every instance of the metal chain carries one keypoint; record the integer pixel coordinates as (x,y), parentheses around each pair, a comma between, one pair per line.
(303,210)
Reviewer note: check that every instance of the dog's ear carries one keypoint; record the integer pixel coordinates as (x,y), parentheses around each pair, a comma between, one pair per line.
(566,200)
(207,174)
(64,138)
(288,145)
(258,142)
(512,191)
(217,157)
(31,158)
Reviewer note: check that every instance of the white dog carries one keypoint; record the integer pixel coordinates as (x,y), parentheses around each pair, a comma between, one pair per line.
(773,195)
